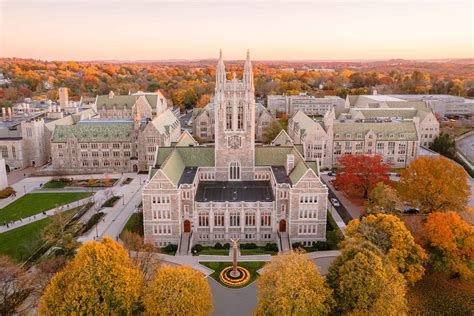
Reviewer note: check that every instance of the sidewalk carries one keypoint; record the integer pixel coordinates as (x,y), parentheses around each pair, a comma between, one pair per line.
(46,214)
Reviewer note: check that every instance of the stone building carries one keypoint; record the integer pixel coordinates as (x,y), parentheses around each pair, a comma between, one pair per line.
(309,105)
(107,145)
(113,106)
(204,194)
(23,144)
(203,125)
(393,129)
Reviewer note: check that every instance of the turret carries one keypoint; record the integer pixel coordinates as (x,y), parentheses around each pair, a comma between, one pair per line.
(220,74)
(248,74)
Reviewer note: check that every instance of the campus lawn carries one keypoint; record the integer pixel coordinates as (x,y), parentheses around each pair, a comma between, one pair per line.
(34,203)
(257,251)
(134,224)
(57,184)
(22,242)
(252,267)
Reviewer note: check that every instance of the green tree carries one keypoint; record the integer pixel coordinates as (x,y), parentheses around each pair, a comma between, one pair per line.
(100,280)
(291,285)
(390,235)
(271,131)
(178,291)
(444,145)
(365,283)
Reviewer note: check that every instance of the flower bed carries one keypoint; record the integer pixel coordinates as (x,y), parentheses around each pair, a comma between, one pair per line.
(229,280)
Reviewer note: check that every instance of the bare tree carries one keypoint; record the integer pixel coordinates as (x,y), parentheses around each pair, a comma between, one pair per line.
(15,286)
(143,255)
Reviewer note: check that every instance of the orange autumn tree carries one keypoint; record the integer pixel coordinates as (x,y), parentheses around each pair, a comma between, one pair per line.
(358,174)
(390,235)
(435,184)
(100,280)
(452,242)
(178,291)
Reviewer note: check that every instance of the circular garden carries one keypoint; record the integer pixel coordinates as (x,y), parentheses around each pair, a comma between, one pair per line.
(238,280)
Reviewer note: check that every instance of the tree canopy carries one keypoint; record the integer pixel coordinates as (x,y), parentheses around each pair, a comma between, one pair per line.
(444,145)
(452,243)
(178,291)
(435,184)
(101,279)
(271,131)
(15,286)
(291,285)
(390,235)
(365,283)
(358,174)
(383,198)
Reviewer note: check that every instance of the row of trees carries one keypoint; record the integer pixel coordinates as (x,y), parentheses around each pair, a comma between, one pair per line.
(186,83)
(428,183)
(379,260)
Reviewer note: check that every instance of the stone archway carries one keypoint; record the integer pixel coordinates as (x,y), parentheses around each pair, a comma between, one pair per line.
(187,226)
(135,168)
(282,225)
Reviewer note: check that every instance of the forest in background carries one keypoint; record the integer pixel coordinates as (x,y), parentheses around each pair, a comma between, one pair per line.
(190,83)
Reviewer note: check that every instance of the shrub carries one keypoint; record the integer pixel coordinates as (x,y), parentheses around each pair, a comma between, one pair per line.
(271,247)
(296,245)
(321,245)
(226,246)
(249,246)
(6,192)
(170,248)
(92,221)
(196,248)
(218,246)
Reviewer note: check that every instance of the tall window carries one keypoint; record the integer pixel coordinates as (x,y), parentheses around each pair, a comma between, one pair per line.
(234,219)
(228,116)
(204,219)
(234,170)
(266,219)
(250,219)
(240,116)
(219,219)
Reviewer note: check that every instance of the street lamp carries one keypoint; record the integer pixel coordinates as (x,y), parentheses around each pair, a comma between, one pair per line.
(123,199)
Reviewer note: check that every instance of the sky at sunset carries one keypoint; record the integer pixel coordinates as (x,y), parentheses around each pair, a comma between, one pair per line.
(272,30)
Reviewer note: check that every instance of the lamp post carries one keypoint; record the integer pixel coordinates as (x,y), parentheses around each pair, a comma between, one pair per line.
(123,199)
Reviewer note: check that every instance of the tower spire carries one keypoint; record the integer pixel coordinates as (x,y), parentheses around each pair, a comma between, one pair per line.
(248,73)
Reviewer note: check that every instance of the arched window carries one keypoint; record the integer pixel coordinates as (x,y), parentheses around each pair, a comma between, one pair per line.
(228,115)
(240,116)
(234,170)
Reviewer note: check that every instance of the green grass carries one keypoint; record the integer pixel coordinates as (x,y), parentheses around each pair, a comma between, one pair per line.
(135,224)
(93,221)
(57,184)
(22,242)
(258,251)
(214,252)
(34,203)
(252,267)
(111,202)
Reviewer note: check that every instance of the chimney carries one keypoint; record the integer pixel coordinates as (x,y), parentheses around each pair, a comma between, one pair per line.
(290,163)
(4,114)
(111,94)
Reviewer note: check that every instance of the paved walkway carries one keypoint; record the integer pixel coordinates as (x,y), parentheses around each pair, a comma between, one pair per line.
(117,216)
(46,214)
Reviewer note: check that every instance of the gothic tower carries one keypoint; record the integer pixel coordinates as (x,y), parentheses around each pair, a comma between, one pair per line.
(234,114)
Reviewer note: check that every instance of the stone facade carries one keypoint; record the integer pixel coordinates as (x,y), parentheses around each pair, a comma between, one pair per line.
(203,125)
(309,105)
(233,188)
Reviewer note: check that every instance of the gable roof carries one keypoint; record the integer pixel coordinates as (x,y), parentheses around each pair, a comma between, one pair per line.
(164,120)
(185,140)
(282,139)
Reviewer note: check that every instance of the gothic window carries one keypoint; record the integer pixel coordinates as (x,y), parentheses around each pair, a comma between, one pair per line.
(204,219)
(234,170)
(240,116)
(228,116)
(234,219)
(266,219)
(219,219)
(250,219)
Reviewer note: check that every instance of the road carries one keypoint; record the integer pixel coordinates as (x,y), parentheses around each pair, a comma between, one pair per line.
(341,209)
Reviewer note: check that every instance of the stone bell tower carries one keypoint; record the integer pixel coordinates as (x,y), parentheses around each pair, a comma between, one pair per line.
(234,114)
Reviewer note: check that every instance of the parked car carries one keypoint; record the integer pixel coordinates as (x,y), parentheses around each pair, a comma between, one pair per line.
(411,210)
(331,174)
(335,202)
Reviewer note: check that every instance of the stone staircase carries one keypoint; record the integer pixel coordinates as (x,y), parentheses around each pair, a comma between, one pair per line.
(184,244)
(284,241)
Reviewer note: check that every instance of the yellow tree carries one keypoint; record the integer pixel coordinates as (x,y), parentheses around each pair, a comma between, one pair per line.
(390,235)
(435,184)
(178,291)
(365,283)
(383,199)
(291,285)
(100,280)
(452,243)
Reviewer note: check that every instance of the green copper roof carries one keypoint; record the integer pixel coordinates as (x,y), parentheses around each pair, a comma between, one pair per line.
(282,139)
(298,171)
(101,131)
(163,121)
(383,131)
